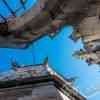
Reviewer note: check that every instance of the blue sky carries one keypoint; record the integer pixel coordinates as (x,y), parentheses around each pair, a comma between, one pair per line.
(59,51)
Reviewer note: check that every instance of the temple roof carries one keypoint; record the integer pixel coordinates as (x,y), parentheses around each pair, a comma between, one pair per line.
(45,18)
(46,78)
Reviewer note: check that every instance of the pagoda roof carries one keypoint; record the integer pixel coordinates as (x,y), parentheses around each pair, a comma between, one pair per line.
(45,18)
(51,76)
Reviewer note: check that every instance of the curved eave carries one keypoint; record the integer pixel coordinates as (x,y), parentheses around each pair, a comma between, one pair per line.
(47,17)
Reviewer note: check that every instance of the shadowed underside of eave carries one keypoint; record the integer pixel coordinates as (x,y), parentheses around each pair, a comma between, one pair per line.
(41,87)
(45,18)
